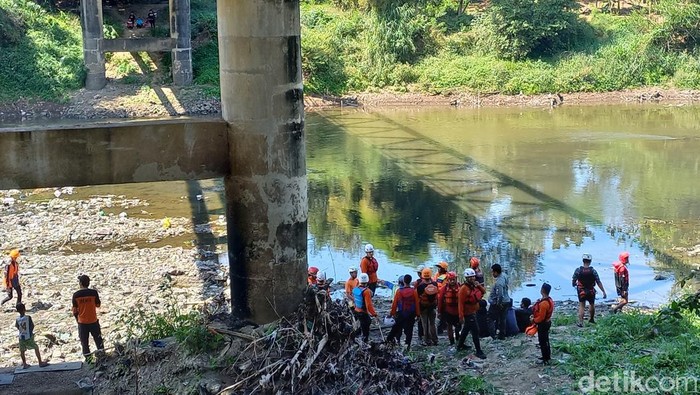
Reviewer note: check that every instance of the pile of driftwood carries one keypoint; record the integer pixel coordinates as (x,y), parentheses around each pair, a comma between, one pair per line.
(315,352)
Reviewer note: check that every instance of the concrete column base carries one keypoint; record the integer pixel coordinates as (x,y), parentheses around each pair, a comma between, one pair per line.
(182,66)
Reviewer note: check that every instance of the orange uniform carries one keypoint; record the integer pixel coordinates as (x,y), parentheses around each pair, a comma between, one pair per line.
(351,284)
(370,266)
(448,299)
(85,302)
(402,296)
(11,273)
(469,298)
(542,310)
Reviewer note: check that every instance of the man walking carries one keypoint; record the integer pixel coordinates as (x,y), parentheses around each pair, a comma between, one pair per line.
(585,279)
(622,280)
(12,278)
(499,301)
(85,304)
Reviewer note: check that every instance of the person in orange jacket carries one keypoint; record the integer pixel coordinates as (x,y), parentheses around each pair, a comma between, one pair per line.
(12,278)
(364,309)
(474,264)
(542,317)
(622,280)
(311,279)
(369,266)
(448,306)
(405,309)
(470,293)
(351,284)
(440,279)
(427,295)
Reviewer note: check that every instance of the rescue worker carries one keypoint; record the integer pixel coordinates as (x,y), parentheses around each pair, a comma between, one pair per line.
(427,295)
(85,303)
(585,279)
(369,266)
(470,293)
(622,280)
(542,317)
(351,284)
(440,278)
(313,272)
(499,302)
(405,309)
(448,306)
(322,287)
(419,270)
(474,264)
(12,278)
(364,309)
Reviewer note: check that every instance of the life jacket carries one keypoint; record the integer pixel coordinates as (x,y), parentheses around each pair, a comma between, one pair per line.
(441,280)
(359,299)
(450,298)
(586,277)
(621,275)
(372,265)
(538,305)
(427,293)
(12,273)
(407,302)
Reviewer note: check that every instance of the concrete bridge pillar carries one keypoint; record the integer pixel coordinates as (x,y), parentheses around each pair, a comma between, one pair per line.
(91,19)
(266,192)
(180,31)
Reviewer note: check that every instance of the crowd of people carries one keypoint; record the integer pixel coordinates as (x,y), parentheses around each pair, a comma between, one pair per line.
(445,301)
(137,22)
(85,302)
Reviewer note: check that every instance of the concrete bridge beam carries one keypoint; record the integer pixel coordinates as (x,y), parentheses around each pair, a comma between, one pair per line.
(180,32)
(266,191)
(91,19)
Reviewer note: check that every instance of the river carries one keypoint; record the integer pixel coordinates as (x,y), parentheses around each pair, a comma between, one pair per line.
(532,189)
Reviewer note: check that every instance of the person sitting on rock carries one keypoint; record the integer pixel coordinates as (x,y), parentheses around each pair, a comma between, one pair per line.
(25,326)
(139,22)
(522,314)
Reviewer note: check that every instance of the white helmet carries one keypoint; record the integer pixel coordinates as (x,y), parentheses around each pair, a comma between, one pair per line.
(469,272)
(369,248)
(321,276)
(420,268)
(352,269)
(364,278)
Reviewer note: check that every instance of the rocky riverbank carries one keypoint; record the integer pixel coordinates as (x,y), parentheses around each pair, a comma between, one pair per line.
(134,263)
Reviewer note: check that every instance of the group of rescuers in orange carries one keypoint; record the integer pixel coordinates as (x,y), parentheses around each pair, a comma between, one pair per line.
(85,302)
(456,304)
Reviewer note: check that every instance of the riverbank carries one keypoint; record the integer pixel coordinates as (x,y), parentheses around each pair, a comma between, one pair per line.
(119,101)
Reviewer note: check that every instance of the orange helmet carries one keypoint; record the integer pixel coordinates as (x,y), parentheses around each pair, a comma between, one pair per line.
(474,262)
(426,273)
(442,265)
(624,257)
(14,254)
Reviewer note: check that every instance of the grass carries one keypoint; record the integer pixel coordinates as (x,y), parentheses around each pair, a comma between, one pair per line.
(662,345)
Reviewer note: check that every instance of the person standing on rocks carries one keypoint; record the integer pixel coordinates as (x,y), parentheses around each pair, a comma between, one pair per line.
(427,295)
(622,280)
(351,283)
(470,293)
(585,279)
(25,326)
(364,309)
(448,307)
(12,278)
(369,266)
(474,264)
(85,304)
(405,309)
(499,301)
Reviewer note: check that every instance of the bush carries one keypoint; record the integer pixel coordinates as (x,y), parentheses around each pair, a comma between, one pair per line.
(516,29)
(679,29)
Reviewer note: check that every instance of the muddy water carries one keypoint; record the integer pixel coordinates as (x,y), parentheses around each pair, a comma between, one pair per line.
(530,189)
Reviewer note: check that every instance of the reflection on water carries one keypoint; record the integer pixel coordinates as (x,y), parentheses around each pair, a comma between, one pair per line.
(530,189)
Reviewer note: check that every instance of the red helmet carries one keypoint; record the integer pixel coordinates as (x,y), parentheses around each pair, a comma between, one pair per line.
(624,257)
(313,270)
(451,275)
(474,262)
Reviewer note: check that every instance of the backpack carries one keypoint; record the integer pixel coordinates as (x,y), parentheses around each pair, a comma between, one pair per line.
(428,294)
(407,303)
(586,277)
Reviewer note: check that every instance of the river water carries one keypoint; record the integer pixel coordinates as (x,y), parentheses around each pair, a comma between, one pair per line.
(531,189)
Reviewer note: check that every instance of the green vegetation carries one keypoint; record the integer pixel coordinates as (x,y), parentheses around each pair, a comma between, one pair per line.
(662,344)
(511,47)
(41,54)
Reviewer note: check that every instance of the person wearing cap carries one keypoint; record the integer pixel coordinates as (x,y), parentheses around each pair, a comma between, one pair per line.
(585,279)
(622,280)
(351,284)
(499,303)
(419,271)
(369,266)
(474,264)
(313,272)
(364,309)
(12,278)
(448,306)
(427,295)
(542,312)
(85,303)
(470,293)
(405,308)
